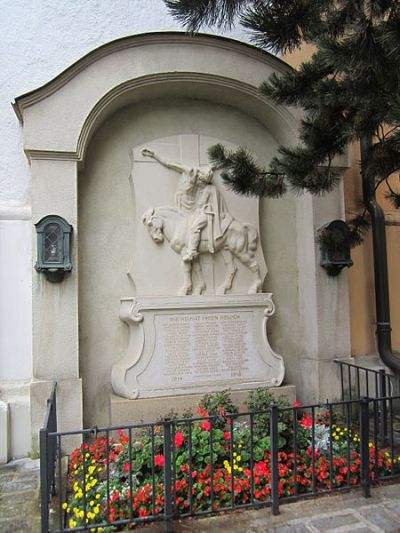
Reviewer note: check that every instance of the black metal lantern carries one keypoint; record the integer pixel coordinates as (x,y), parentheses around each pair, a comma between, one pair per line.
(53,247)
(334,239)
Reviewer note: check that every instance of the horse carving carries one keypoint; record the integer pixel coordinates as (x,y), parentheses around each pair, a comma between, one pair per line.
(238,240)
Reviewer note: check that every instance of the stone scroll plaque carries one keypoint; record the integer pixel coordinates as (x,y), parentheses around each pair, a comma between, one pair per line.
(183,346)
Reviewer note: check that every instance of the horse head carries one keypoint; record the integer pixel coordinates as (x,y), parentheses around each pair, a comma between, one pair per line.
(154,224)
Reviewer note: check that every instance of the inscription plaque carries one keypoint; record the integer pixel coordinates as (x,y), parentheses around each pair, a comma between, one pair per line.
(218,343)
(204,347)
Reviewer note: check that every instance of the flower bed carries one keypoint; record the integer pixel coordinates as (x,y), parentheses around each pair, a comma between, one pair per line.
(218,462)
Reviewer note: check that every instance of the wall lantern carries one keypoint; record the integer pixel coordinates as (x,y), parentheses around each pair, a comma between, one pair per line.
(334,240)
(53,247)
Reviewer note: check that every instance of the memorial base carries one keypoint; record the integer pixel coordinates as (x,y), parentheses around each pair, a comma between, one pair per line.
(127,412)
(187,345)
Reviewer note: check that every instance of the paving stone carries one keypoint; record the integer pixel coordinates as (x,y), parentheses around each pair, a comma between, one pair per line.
(19,486)
(290,528)
(393,506)
(357,529)
(379,517)
(14,525)
(328,523)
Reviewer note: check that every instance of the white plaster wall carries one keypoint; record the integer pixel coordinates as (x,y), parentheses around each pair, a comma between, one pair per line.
(39,39)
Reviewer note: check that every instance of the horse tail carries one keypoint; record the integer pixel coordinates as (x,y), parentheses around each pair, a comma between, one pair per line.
(252,238)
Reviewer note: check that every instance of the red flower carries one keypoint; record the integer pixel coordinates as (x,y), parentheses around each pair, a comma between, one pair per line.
(201,411)
(205,426)
(296,404)
(179,438)
(227,435)
(159,460)
(306,421)
(123,439)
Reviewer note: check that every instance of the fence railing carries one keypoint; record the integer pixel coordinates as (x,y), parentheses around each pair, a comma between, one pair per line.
(358,382)
(48,457)
(139,473)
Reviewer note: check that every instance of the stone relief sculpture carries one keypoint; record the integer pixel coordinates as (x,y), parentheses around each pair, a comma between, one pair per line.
(201,223)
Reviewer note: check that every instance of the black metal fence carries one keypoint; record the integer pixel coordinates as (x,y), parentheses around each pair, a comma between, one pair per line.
(359,382)
(196,466)
(48,457)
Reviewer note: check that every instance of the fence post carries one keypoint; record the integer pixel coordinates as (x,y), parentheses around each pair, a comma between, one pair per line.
(274,460)
(364,448)
(167,477)
(44,481)
(383,406)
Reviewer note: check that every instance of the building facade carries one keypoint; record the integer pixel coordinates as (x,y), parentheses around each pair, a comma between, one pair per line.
(50,138)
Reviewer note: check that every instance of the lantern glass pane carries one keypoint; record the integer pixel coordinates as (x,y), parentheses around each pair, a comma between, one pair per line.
(53,244)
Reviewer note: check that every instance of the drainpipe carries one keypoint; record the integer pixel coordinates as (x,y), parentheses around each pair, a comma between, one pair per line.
(383,328)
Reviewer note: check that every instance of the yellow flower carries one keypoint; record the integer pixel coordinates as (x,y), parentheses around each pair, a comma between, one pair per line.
(72,523)
(81,514)
(91,503)
(64,505)
(240,446)
(92,469)
(240,469)
(234,454)
(97,496)
(238,458)
(336,437)
(235,467)
(96,510)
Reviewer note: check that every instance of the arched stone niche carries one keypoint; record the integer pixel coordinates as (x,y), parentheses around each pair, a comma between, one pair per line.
(81,131)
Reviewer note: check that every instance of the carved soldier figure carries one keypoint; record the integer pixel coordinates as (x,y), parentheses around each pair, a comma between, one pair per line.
(198,199)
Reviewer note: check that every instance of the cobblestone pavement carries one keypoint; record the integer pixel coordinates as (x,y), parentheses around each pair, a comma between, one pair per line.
(342,513)
(19,497)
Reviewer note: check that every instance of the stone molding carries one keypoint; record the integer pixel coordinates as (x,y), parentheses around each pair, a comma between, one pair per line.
(157,38)
(12,211)
(142,67)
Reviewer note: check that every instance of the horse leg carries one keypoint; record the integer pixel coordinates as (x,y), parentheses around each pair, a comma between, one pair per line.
(231,272)
(251,263)
(199,272)
(187,279)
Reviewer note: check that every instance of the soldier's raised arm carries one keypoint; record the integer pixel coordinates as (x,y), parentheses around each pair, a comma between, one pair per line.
(172,166)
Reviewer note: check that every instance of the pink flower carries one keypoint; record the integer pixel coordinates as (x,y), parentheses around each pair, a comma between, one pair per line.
(159,460)
(296,404)
(179,438)
(205,426)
